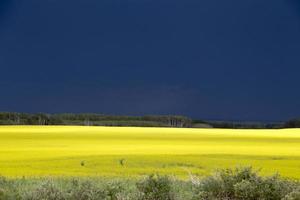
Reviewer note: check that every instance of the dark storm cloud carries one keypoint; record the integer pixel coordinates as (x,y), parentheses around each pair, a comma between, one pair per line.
(4,7)
(295,4)
(134,100)
(206,59)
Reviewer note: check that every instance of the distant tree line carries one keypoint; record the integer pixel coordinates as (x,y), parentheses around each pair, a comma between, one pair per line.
(246,125)
(91,119)
(294,123)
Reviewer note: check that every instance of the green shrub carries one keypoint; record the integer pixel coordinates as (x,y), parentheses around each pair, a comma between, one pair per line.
(8,189)
(274,188)
(246,190)
(3,181)
(7,194)
(2,191)
(294,195)
(84,191)
(89,190)
(45,191)
(113,191)
(222,184)
(2,194)
(241,184)
(155,187)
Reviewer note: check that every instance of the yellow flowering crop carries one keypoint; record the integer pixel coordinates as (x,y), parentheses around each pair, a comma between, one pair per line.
(131,152)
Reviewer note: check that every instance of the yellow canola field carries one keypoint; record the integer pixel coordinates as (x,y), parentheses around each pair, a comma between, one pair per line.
(130,152)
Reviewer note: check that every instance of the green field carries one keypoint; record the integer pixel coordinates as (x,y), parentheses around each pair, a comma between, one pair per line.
(129,152)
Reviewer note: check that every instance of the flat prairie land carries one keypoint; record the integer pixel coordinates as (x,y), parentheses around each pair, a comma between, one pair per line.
(35,151)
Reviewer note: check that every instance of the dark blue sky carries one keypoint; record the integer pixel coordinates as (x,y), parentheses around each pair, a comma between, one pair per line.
(210,59)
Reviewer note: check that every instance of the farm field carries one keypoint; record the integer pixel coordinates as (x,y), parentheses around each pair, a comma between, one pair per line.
(34,151)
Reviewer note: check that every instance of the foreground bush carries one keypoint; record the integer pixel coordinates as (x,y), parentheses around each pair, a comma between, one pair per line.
(155,187)
(243,184)
(8,190)
(45,191)
(88,190)
(75,190)
(294,195)
(227,184)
